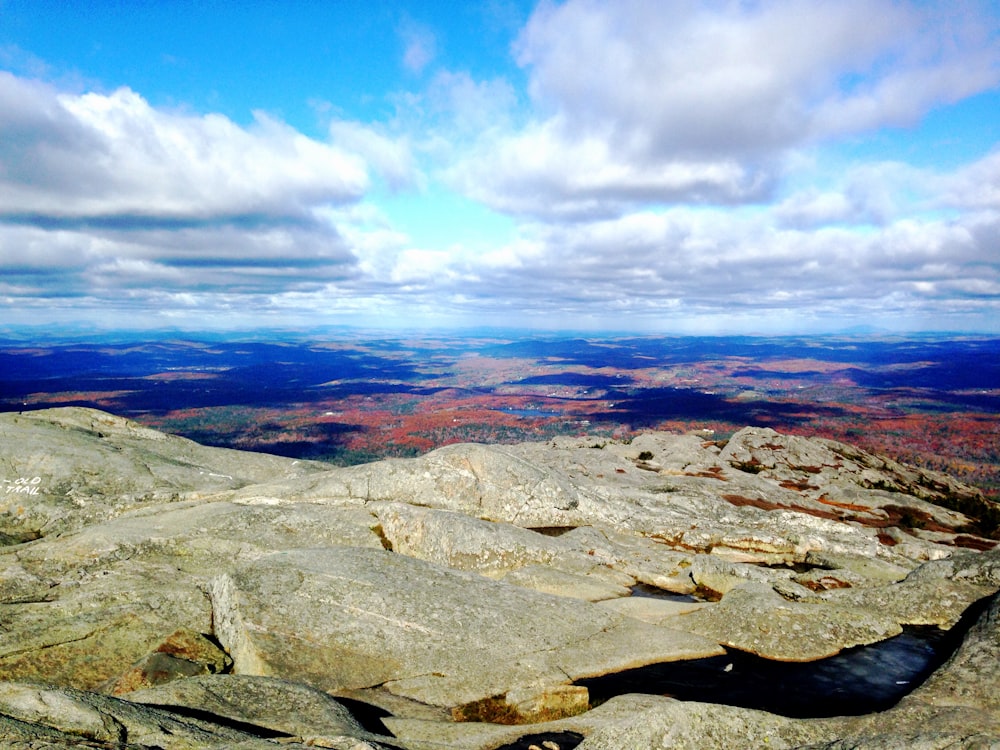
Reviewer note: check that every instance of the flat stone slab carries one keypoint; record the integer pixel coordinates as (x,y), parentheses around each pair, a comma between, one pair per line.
(281,706)
(463,542)
(652,610)
(348,618)
(913,601)
(754,618)
(560,583)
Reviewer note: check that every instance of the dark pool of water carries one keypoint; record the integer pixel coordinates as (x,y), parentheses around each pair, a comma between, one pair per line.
(856,681)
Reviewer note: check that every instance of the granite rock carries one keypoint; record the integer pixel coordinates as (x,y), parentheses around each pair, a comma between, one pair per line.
(350,618)
(470,586)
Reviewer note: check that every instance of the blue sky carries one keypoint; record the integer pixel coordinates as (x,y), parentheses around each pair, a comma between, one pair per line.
(685,167)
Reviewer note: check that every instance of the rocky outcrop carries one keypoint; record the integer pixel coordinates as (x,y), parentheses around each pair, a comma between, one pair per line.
(157,593)
(755,618)
(348,618)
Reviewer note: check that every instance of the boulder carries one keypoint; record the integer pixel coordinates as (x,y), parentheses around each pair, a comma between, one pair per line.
(76,466)
(287,708)
(348,618)
(753,617)
(459,541)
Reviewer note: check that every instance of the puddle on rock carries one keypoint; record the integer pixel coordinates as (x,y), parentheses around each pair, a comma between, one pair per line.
(857,681)
(547,740)
(648,591)
(551,530)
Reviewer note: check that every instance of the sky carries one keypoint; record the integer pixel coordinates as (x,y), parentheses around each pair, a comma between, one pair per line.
(715,167)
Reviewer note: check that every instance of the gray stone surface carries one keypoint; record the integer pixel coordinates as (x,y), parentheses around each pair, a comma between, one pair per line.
(348,618)
(507,581)
(652,610)
(753,617)
(120,586)
(65,468)
(103,721)
(463,542)
(551,580)
(912,602)
(290,708)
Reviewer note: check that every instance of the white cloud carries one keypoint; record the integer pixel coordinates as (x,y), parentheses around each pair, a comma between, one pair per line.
(641,102)
(470,106)
(668,172)
(673,265)
(976,186)
(389,156)
(419,45)
(98,155)
(107,195)
(542,172)
(736,78)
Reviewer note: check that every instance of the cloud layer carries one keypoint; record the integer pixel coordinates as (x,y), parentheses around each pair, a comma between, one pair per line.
(666,166)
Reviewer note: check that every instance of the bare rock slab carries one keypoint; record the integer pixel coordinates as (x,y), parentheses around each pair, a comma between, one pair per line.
(350,618)
(77,466)
(65,717)
(286,707)
(754,618)
(558,582)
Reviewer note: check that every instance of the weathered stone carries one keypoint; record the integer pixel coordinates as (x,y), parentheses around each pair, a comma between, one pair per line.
(912,601)
(153,669)
(975,568)
(342,618)
(970,676)
(95,631)
(818,579)
(108,721)
(553,581)
(184,653)
(76,466)
(126,581)
(753,618)
(458,541)
(641,559)
(653,723)
(489,482)
(286,707)
(719,576)
(651,610)
(872,570)
(137,527)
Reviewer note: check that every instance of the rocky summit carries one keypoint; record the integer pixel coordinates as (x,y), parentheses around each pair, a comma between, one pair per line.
(155,593)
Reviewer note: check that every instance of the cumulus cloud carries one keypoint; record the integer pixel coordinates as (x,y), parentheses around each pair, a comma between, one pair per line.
(736,78)
(539,172)
(389,156)
(683,263)
(976,186)
(689,101)
(105,194)
(96,155)
(665,164)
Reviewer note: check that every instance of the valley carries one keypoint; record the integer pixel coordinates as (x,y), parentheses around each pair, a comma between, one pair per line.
(348,397)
